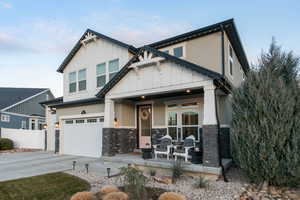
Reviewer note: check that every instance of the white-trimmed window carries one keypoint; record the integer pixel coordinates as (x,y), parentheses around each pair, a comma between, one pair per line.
(230,60)
(70,121)
(113,68)
(5,118)
(178,52)
(101,74)
(72,82)
(82,80)
(23,125)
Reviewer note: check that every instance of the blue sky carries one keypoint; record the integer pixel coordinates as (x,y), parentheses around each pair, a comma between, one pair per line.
(35,36)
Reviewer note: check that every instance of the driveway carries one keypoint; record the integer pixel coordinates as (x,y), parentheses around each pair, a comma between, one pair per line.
(20,165)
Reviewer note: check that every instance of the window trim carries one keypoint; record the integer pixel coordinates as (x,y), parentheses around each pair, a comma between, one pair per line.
(84,69)
(5,118)
(116,59)
(69,81)
(102,74)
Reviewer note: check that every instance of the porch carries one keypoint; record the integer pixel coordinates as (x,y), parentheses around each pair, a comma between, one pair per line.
(162,163)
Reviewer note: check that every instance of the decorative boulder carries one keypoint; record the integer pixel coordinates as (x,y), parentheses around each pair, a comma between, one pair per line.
(116,196)
(171,196)
(83,196)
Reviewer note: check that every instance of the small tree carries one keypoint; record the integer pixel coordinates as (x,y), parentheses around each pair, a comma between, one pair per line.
(266,120)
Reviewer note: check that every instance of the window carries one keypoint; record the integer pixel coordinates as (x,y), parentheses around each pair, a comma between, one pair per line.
(23,125)
(101,119)
(178,52)
(166,51)
(230,60)
(190,124)
(113,68)
(32,124)
(72,82)
(101,74)
(69,122)
(82,79)
(5,118)
(91,120)
(172,125)
(79,121)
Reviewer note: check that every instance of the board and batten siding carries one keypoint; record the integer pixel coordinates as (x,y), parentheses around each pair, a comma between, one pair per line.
(152,80)
(32,106)
(88,58)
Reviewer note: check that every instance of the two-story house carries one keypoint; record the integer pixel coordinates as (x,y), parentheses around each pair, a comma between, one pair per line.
(118,98)
(20,108)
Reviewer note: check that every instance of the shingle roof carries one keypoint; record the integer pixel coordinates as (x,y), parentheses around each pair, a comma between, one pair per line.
(78,45)
(11,96)
(213,75)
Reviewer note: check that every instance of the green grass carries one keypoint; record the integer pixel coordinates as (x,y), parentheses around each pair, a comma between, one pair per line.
(56,186)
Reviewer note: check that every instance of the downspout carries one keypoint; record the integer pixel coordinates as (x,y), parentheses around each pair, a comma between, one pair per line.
(223,50)
(219,142)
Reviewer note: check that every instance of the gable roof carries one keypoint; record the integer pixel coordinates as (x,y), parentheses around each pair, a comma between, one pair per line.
(228,26)
(204,71)
(77,46)
(11,96)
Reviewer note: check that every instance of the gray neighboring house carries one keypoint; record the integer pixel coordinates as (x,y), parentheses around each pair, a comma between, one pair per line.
(20,108)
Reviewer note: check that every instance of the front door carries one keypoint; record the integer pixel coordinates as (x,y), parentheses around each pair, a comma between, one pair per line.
(145,122)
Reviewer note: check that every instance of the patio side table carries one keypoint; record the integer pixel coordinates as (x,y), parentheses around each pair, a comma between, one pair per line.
(147,153)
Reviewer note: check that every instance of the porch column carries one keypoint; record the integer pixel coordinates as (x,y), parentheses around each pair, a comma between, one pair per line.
(108,134)
(109,113)
(210,128)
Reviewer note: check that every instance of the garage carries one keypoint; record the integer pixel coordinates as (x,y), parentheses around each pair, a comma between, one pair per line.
(83,136)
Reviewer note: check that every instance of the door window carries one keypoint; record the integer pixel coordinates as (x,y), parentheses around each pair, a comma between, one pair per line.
(190,124)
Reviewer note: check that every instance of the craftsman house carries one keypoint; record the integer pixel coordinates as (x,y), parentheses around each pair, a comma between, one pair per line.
(118,98)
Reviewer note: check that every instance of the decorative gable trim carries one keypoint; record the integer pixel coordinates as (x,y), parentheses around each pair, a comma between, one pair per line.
(88,38)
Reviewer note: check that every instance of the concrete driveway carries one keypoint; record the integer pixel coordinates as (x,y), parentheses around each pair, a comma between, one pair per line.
(20,165)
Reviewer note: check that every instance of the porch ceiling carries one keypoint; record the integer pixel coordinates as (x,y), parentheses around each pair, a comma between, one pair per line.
(167,95)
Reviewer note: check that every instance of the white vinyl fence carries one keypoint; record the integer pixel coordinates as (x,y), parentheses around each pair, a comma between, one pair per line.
(32,139)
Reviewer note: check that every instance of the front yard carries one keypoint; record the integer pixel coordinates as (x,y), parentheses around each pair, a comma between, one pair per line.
(58,186)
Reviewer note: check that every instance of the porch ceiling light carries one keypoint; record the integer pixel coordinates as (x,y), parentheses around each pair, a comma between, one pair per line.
(143,97)
(188,91)
(57,125)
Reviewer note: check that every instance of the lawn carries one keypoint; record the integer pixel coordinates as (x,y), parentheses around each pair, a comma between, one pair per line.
(55,186)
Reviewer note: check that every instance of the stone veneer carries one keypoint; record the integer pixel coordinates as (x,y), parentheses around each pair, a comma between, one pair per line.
(118,140)
(225,143)
(210,146)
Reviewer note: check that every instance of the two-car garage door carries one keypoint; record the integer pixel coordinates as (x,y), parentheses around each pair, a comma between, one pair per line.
(83,137)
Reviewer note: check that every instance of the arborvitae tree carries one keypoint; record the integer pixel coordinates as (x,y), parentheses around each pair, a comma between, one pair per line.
(266,120)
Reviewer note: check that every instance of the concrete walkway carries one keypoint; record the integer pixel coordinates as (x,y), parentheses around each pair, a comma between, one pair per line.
(20,165)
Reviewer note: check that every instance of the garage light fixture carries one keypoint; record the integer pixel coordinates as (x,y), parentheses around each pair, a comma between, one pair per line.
(188,91)
(57,125)
(143,97)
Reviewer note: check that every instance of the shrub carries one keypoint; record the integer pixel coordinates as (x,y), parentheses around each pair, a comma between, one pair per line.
(201,182)
(177,170)
(152,172)
(83,196)
(116,196)
(109,189)
(6,144)
(266,120)
(171,196)
(134,182)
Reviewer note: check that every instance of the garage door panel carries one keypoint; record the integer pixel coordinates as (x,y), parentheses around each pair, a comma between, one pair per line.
(84,139)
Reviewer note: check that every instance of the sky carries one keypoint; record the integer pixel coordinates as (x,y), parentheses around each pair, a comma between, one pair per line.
(35,36)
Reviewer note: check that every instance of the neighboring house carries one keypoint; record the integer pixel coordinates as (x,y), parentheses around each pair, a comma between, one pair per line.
(118,98)
(20,108)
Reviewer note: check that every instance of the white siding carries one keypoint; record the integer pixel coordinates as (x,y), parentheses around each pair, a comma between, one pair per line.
(150,80)
(88,57)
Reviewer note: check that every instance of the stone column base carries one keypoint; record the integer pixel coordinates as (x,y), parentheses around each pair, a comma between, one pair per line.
(210,146)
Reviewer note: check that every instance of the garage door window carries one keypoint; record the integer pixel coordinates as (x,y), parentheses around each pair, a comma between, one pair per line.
(69,121)
(91,120)
(79,121)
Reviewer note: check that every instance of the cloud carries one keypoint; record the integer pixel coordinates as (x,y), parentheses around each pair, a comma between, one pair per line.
(5,5)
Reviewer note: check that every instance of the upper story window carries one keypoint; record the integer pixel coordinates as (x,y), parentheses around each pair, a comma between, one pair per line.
(178,52)
(101,74)
(113,68)
(5,118)
(72,82)
(230,60)
(82,79)
(166,51)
